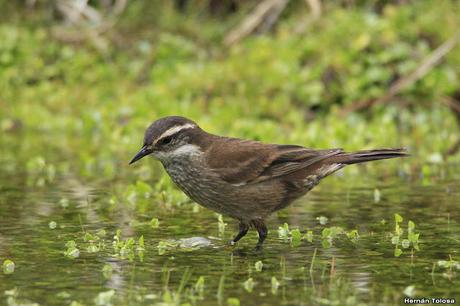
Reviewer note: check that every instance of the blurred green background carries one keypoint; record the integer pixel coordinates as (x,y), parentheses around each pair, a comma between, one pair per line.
(83,82)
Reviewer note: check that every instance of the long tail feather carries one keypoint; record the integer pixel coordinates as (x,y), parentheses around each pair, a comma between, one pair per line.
(369,155)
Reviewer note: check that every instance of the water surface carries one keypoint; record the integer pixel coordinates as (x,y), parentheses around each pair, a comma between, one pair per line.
(195,265)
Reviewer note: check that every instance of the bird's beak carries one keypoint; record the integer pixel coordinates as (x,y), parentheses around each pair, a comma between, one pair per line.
(143,152)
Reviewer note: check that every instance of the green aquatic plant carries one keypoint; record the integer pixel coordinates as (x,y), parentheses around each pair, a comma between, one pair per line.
(71,117)
(377,195)
(274,285)
(220,288)
(232,301)
(8,266)
(95,242)
(284,232)
(397,236)
(309,236)
(64,202)
(154,223)
(450,267)
(199,287)
(221,225)
(140,248)
(92,248)
(258,266)
(249,285)
(140,244)
(412,237)
(322,220)
(449,264)
(313,258)
(104,298)
(107,271)
(13,298)
(164,245)
(125,248)
(90,242)
(183,245)
(353,235)
(410,291)
(138,194)
(40,172)
(72,251)
(294,236)
(328,235)
(175,296)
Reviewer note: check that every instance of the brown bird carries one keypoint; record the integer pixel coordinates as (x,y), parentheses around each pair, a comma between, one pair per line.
(243,179)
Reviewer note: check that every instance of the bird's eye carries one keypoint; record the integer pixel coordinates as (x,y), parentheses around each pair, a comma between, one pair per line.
(165,140)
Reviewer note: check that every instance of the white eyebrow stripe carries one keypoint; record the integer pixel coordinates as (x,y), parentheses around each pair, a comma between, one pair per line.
(174,130)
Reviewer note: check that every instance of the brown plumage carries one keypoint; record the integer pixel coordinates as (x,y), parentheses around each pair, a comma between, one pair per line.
(244,179)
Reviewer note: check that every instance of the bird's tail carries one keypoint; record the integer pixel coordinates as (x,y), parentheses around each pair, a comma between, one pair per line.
(368,155)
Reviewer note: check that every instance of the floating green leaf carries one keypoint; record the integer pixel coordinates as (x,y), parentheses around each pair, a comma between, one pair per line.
(275,285)
(8,266)
(155,223)
(249,285)
(258,265)
(233,301)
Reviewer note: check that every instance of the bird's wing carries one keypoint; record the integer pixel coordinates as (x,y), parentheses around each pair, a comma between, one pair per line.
(293,158)
(243,162)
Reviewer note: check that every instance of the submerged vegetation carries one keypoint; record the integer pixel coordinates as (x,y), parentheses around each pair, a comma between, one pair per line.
(78,226)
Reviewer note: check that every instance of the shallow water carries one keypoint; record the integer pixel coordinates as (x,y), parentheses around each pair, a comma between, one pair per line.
(347,272)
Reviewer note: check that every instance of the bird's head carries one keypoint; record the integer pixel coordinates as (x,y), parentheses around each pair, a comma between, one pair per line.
(169,137)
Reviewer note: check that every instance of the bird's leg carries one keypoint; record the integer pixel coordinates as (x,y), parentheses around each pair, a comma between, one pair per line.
(261,230)
(244,227)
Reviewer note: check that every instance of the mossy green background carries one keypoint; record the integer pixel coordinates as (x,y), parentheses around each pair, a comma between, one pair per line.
(73,114)
(91,105)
